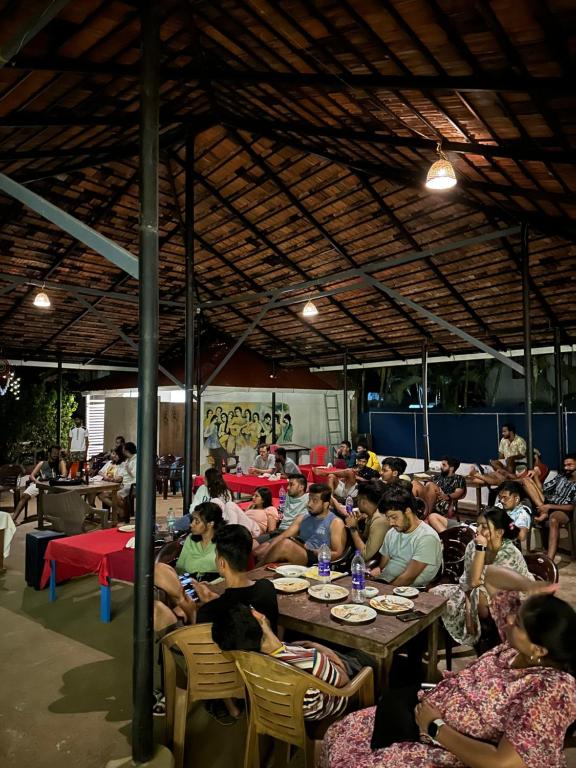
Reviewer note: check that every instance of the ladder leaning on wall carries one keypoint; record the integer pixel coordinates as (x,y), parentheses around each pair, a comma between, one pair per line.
(333,423)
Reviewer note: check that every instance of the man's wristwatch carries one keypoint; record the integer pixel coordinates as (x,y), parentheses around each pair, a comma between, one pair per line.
(480,548)
(433,729)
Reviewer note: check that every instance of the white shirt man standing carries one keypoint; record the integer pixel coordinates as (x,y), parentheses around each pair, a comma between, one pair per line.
(78,441)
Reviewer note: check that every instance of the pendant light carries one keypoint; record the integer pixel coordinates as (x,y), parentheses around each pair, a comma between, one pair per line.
(310,309)
(42,300)
(441,174)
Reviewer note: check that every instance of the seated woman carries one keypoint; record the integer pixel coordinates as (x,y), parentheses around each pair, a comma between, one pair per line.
(52,466)
(109,472)
(509,709)
(262,511)
(469,601)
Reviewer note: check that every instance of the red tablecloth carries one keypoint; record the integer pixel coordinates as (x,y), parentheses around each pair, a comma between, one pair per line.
(247,483)
(101,552)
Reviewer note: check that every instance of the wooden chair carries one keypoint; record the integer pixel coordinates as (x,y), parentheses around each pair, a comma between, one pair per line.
(209,675)
(9,476)
(69,514)
(276,691)
(541,567)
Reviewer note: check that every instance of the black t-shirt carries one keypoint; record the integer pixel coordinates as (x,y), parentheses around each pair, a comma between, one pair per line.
(261,596)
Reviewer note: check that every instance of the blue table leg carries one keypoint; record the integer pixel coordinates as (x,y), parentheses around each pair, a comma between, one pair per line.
(105,603)
(52,580)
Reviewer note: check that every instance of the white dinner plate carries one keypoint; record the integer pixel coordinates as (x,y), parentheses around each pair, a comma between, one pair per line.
(329,593)
(290,585)
(371,592)
(406,591)
(391,604)
(353,613)
(291,570)
(127,528)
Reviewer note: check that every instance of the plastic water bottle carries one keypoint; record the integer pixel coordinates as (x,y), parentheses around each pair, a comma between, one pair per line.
(324,558)
(358,578)
(281,502)
(170,521)
(349,505)
(239,469)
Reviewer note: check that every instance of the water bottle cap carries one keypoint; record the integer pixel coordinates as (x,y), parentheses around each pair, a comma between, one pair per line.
(357,551)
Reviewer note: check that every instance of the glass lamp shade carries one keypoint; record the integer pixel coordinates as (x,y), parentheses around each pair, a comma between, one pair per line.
(309,309)
(42,300)
(441,175)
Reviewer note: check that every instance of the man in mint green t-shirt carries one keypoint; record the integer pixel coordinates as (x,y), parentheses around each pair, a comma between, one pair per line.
(411,554)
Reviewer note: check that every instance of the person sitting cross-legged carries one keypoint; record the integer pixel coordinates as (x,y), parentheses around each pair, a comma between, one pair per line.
(345,482)
(245,629)
(411,554)
(300,542)
(441,493)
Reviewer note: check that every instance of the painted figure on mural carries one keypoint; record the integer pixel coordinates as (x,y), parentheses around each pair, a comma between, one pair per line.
(287,429)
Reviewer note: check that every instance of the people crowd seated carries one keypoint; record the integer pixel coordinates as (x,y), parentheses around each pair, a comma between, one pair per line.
(52,466)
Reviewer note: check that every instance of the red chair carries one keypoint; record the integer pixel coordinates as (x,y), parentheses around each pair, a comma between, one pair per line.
(318,455)
(273,448)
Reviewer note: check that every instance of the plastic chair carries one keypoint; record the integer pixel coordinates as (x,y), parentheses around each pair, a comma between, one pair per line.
(9,476)
(170,552)
(68,513)
(542,568)
(276,691)
(209,675)
(318,455)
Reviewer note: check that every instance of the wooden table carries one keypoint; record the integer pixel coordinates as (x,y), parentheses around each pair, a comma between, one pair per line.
(82,490)
(379,639)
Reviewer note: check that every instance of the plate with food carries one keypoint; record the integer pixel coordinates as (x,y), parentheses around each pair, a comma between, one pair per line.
(352,613)
(290,585)
(291,570)
(127,528)
(406,591)
(371,592)
(329,593)
(391,604)
(312,573)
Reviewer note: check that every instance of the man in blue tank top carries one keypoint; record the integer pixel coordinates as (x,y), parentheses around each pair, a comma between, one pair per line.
(299,544)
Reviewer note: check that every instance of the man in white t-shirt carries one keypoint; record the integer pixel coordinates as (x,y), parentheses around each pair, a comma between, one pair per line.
(411,554)
(78,441)
(264,462)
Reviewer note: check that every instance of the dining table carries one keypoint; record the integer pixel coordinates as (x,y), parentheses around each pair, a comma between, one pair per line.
(247,483)
(95,486)
(380,638)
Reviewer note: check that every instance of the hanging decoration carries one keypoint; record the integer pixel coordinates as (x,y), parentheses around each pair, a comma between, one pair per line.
(5,375)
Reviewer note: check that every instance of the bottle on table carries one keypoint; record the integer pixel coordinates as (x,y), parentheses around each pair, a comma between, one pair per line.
(358,569)
(170,521)
(349,505)
(281,502)
(324,558)
(239,469)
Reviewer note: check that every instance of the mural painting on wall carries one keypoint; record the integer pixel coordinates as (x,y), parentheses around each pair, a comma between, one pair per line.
(231,427)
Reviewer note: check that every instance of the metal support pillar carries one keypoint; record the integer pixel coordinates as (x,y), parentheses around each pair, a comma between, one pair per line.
(190,344)
(426,426)
(345,394)
(274,435)
(59,404)
(142,670)
(558,396)
(199,420)
(527,346)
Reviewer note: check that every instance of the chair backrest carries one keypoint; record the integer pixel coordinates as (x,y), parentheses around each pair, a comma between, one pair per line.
(541,567)
(343,562)
(66,512)
(318,454)
(276,692)
(9,474)
(462,533)
(453,551)
(170,552)
(210,674)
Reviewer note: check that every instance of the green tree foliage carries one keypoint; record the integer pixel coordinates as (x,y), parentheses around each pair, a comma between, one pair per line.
(28,423)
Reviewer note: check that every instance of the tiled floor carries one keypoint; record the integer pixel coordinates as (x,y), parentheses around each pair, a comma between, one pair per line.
(68,676)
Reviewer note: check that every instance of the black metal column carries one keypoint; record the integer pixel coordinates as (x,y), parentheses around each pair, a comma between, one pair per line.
(426,428)
(527,346)
(345,395)
(274,435)
(190,440)
(559,397)
(142,672)
(199,431)
(59,404)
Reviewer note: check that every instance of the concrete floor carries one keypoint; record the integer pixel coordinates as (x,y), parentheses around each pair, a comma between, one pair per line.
(67,677)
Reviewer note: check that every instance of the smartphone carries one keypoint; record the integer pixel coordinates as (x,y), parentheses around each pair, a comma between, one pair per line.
(410,616)
(191,592)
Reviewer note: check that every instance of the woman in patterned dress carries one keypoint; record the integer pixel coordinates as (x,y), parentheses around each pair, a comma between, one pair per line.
(509,709)
(469,601)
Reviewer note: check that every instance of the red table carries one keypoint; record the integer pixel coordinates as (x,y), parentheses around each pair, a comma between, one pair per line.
(101,552)
(247,483)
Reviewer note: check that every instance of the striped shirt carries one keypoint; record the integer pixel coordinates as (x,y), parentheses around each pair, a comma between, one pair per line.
(316,704)
(560,490)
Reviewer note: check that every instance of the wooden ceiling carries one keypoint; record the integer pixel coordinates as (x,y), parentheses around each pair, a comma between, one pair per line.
(314,124)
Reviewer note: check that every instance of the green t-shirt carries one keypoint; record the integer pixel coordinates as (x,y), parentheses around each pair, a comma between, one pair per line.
(422,544)
(194,558)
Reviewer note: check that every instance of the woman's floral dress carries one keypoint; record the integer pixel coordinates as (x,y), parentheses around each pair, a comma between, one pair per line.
(531,708)
(454,617)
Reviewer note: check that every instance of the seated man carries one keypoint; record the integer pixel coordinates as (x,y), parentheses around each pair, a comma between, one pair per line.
(556,501)
(372,463)
(510,495)
(412,551)
(52,467)
(345,453)
(295,505)
(244,629)
(344,482)
(284,465)
(299,544)
(233,545)
(264,463)
(441,492)
(393,468)
(127,472)
(537,475)
(369,541)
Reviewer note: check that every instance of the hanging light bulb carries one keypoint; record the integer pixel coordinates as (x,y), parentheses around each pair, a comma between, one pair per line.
(441,174)
(42,300)
(310,309)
